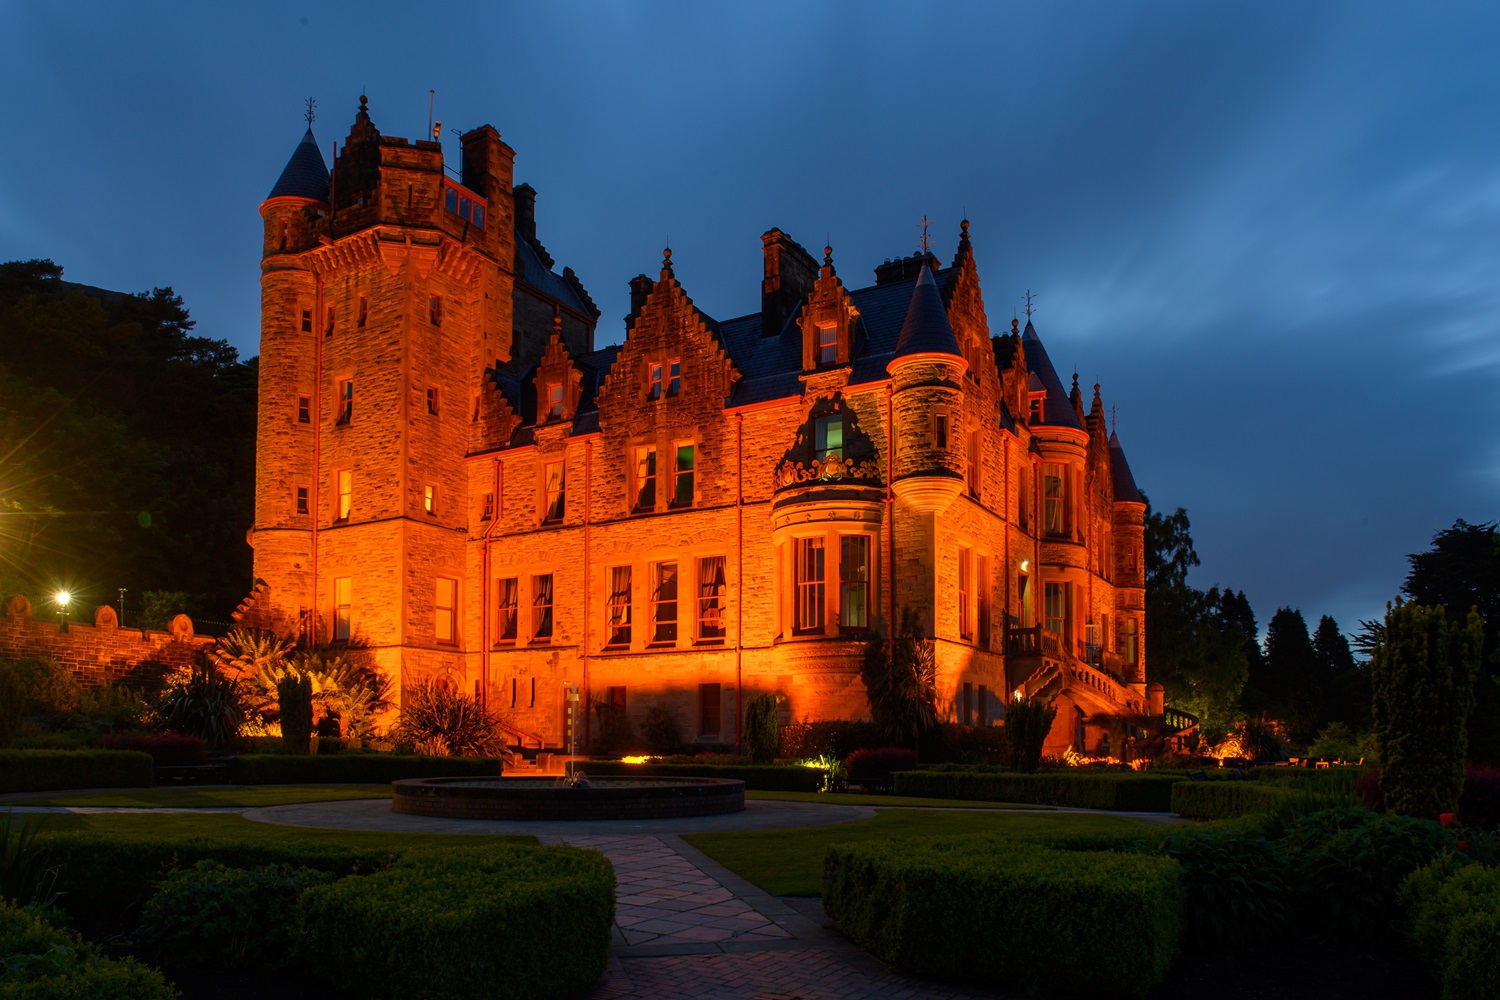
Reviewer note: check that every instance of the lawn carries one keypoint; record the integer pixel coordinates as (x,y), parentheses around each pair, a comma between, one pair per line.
(233,827)
(790,862)
(225,796)
(882,801)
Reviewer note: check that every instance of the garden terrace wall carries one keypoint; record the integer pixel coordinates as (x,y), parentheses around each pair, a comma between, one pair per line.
(1127,792)
(50,770)
(757,777)
(98,652)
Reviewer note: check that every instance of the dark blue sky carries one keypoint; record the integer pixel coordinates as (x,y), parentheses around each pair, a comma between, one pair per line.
(1271,230)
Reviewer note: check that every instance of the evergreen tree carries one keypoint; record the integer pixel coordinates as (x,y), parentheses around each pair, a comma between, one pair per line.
(1346,696)
(1291,685)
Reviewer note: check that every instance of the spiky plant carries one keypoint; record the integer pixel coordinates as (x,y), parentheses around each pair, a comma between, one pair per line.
(208,705)
(433,712)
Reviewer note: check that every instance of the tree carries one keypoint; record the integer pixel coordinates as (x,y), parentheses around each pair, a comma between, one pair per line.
(1347,695)
(761,728)
(1027,723)
(1422,675)
(294,698)
(901,682)
(1289,687)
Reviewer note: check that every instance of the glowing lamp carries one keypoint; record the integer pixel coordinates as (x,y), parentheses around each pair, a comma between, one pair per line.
(63,597)
(1025,565)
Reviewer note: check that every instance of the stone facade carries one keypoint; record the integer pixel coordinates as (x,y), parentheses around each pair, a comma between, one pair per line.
(448,470)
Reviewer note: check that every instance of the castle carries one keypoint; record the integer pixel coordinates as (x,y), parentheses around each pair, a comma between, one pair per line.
(450,471)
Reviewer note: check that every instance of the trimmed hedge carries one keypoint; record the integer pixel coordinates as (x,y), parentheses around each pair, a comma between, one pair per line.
(1000,911)
(357,769)
(49,770)
(522,922)
(1129,792)
(1453,915)
(166,749)
(757,777)
(41,962)
(1224,799)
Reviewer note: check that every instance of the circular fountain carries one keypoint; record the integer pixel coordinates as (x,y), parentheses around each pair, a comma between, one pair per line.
(575,798)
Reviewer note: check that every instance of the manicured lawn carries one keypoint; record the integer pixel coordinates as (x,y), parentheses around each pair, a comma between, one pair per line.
(882,801)
(229,826)
(790,862)
(247,796)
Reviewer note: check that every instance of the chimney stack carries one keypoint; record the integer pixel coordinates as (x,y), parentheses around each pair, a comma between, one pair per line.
(790,275)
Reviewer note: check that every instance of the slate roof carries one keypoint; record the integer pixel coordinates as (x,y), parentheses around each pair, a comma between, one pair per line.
(926,329)
(305,175)
(1057,411)
(538,275)
(1125,489)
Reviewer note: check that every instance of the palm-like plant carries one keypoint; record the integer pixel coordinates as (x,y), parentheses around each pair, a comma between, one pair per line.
(901,682)
(435,717)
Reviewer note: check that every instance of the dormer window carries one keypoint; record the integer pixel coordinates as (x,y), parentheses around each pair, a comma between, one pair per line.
(1037,399)
(830,438)
(554,401)
(828,344)
(653,381)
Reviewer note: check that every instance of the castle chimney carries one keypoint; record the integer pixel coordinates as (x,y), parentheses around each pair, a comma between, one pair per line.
(526,210)
(790,275)
(640,288)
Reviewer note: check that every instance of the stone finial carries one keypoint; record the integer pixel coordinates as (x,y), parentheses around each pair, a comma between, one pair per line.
(666,263)
(1015,327)
(104,617)
(180,626)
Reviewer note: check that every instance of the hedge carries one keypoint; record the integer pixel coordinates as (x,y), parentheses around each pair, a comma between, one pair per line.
(1224,799)
(757,777)
(41,962)
(520,922)
(1129,792)
(999,911)
(1454,920)
(47,770)
(359,769)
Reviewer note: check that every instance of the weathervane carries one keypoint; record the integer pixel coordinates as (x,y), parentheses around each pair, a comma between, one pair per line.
(1114,418)
(1030,304)
(311,112)
(926,242)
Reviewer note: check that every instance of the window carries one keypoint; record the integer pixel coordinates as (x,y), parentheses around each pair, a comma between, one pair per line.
(645,478)
(429,498)
(829,441)
(828,345)
(304,409)
(364,311)
(286,232)
(809,583)
(432,399)
(940,430)
(302,499)
(346,493)
(487,508)
(674,377)
(307,321)
(541,607)
(342,599)
(966,716)
(984,706)
(1132,642)
(653,382)
(854,581)
(682,477)
(554,401)
(982,592)
(553,485)
(1054,500)
(328,323)
(466,208)
(346,401)
(972,467)
(709,711)
(617,625)
(445,603)
(664,602)
(711,599)
(965,585)
(1055,601)
(435,310)
(508,595)
(1037,407)
(1023,499)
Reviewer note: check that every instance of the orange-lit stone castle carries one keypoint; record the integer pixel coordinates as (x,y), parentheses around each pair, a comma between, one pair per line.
(448,470)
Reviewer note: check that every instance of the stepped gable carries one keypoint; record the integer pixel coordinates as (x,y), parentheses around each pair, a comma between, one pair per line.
(1124,482)
(1057,410)
(305,174)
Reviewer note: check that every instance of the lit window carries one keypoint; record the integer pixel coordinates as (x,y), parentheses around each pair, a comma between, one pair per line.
(487,508)
(854,581)
(508,611)
(554,401)
(664,602)
(302,499)
(1055,607)
(645,478)
(710,701)
(435,310)
(674,378)
(711,590)
(982,593)
(304,409)
(965,625)
(653,382)
(343,588)
(346,493)
(364,311)
(617,623)
(541,607)
(682,477)
(1054,505)
(429,498)
(445,603)
(346,401)
(940,430)
(809,577)
(830,438)
(555,499)
(307,321)
(972,469)
(828,345)
(432,399)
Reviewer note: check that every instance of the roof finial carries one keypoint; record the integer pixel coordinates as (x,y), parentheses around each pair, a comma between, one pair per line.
(311,112)
(964,230)
(1015,326)
(1114,418)
(926,242)
(828,255)
(1030,305)
(666,261)
(1075,381)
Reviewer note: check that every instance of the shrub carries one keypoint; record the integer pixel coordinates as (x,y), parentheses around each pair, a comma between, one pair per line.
(367,769)
(959,744)
(512,922)
(110,709)
(1335,742)
(900,681)
(660,731)
(612,732)
(212,915)
(1224,799)
(208,705)
(762,724)
(800,740)
(47,770)
(434,714)
(1027,723)
(294,699)
(972,908)
(33,687)
(42,962)
(1453,914)
(1126,791)
(166,749)
(757,777)
(1239,885)
(873,768)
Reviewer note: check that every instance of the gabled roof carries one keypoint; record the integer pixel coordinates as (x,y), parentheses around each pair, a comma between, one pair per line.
(536,273)
(1057,411)
(305,175)
(926,329)
(1125,489)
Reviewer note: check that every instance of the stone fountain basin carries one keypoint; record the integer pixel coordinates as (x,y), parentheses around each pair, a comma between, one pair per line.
(544,798)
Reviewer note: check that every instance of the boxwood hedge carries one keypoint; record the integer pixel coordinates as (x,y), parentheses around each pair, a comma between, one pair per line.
(359,769)
(1128,792)
(41,962)
(1453,913)
(1225,799)
(757,777)
(1000,911)
(46,770)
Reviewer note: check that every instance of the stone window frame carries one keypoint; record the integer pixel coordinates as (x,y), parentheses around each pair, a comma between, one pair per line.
(703,602)
(618,606)
(543,613)
(942,427)
(442,614)
(1055,505)
(847,583)
(654,381)
(345,401)
(550,497)
(363,313)
(487,507)
(343,603)
(677,473)
(821,426)
(983,599)
(434,309)
(674,377)
(638,453)
(432,400)
(965,593)
(430,499)
(832,534)
(973,464)
(507,611)
(658,604)
(307,321)
(556,401)
(1038,407)
(826,347)
(1058,612)
(302,501)
(344,492)
(304,408)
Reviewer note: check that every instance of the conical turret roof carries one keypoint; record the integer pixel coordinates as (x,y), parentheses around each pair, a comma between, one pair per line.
(926,330)
(306,175)
(1125,489)
(1058,410)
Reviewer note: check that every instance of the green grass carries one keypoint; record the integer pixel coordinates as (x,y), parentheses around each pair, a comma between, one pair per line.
(887,801)
(231,826)
(790,862)
(245,796)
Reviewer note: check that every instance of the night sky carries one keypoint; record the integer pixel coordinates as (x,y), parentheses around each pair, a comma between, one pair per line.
(1270,230)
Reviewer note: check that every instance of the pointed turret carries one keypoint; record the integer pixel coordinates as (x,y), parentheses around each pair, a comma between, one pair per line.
(1056,411)
(306,175)
(926,330)
(926,376)
(1125,489)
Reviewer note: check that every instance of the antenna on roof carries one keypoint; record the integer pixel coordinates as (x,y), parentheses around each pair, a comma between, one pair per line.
(430,95)
(926,241)
(1030,305)
(311,112)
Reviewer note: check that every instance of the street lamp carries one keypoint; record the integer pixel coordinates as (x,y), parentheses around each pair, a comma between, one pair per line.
(62,598)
